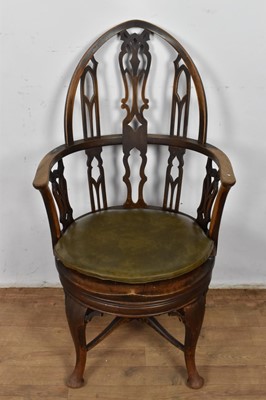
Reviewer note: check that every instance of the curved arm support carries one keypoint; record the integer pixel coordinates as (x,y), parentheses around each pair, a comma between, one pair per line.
(41,179)
(226,174)
(217,213)
(42,176)
(227,178)
(51,213)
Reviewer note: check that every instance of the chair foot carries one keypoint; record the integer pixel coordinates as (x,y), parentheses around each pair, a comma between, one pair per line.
(74,381)
(76,319)
(195,382)
(192,316)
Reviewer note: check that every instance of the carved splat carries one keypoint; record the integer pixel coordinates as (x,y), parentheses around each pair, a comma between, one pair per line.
(209,192)
(181,99)
(59,189)
(96,184)
(90,100)
(173,183)
(178,127)
(134,61)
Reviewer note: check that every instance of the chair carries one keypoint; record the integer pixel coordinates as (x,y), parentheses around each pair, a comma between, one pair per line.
(133,250)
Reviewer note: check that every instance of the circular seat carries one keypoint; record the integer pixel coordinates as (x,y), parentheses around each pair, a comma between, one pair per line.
(133,246)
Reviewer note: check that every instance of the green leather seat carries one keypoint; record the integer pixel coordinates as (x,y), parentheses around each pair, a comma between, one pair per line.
(133,246)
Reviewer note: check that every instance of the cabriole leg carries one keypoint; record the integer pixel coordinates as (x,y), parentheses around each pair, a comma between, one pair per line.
(193,315)
(75,313)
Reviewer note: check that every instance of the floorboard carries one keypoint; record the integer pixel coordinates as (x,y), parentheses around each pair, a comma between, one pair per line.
(134,362)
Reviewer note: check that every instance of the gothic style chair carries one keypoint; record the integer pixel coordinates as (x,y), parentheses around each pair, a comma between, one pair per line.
(132,249)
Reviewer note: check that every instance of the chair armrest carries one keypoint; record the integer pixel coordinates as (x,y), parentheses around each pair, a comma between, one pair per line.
(227,176)
(41,183)
(42,177)
(226,173)
(227,180)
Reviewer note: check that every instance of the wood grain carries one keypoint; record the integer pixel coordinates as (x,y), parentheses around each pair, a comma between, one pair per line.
(36,352)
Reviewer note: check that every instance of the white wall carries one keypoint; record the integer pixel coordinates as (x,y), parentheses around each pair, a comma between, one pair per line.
(41,42)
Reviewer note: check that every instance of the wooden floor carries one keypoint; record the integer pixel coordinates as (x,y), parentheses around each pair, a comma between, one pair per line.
(134,362)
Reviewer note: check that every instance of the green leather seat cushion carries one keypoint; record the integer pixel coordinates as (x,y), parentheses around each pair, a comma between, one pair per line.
(133,246)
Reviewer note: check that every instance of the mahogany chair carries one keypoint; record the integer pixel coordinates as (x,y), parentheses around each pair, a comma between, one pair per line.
(135,252)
